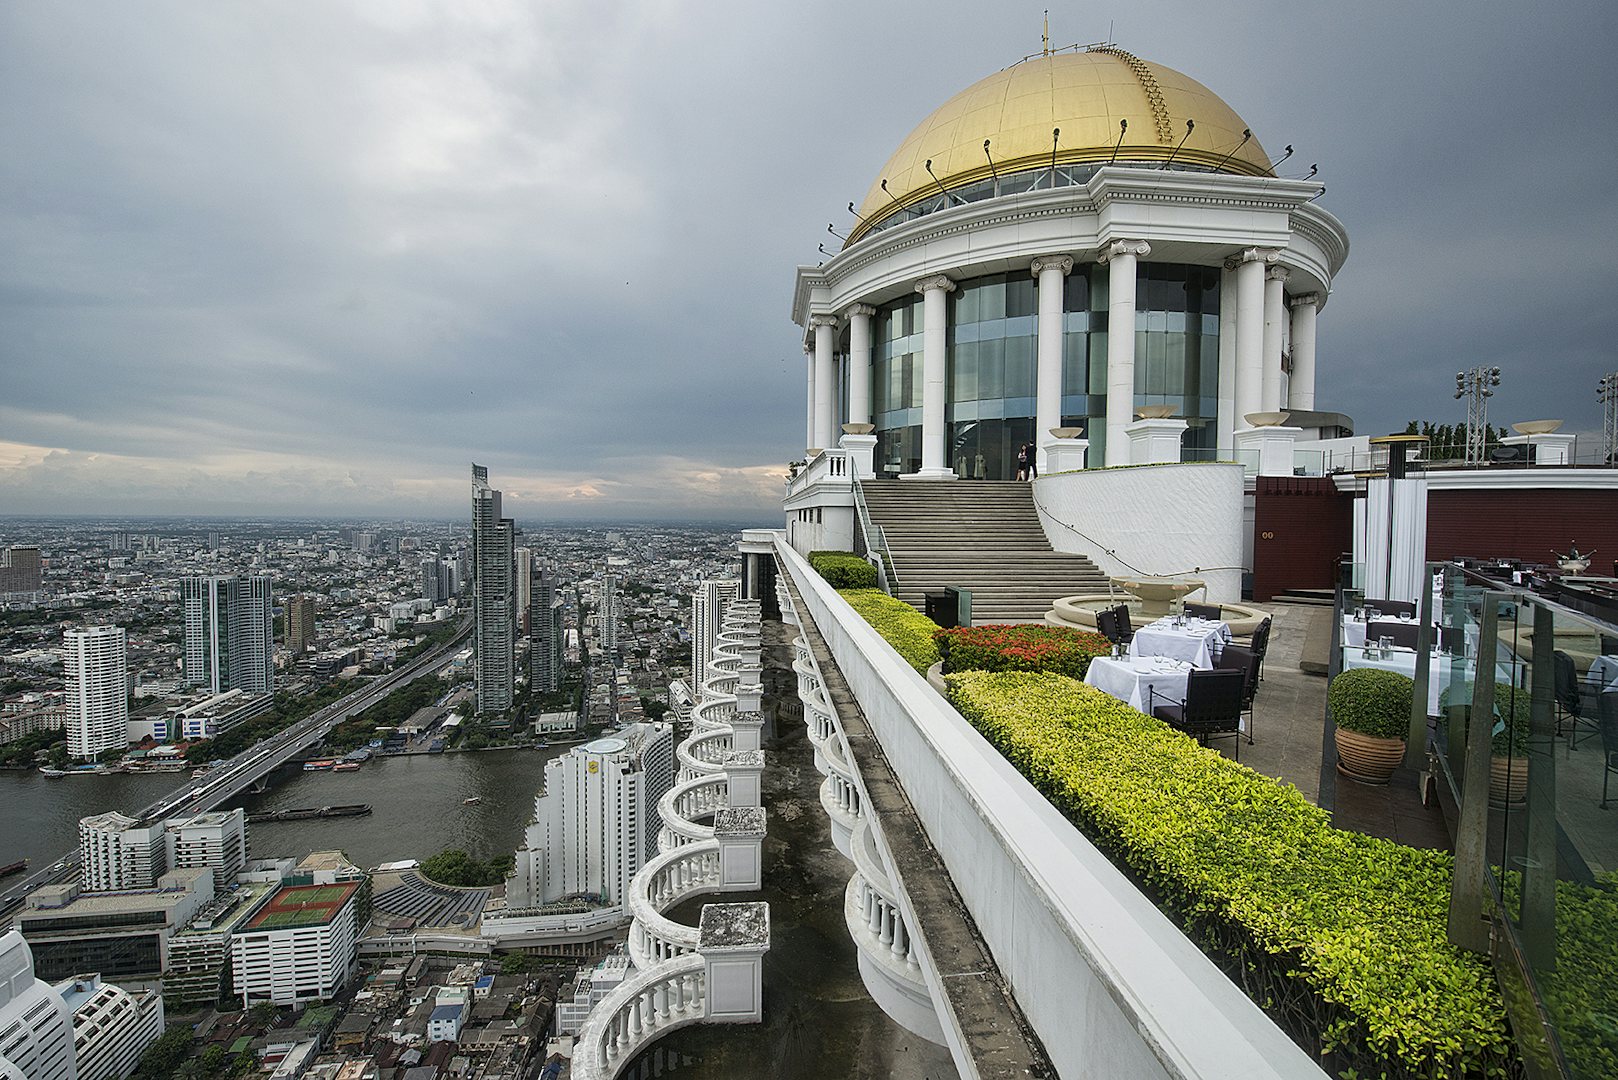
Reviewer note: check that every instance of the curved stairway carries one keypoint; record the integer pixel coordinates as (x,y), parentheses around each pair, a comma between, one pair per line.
(981,535)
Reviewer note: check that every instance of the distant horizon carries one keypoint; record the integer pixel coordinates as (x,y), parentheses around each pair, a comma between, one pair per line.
(269,518)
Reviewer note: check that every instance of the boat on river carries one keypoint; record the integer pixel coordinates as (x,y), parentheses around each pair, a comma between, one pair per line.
(473,801)
(319,764)
(54,774)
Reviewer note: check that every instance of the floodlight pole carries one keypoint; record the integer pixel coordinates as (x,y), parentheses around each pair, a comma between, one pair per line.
(1477,386)
(1607,394)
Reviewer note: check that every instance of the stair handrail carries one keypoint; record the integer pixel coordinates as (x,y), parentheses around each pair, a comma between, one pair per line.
(867,531)
(1112,553)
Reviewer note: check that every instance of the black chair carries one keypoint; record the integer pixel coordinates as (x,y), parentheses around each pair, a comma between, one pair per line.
(1404,634)
(1390,607)
(1569,698)
(1242,659)
(1607,720)
(1260,644)
(1212,612)
(1125,627)
(1609,645)
(1212,707)
(1107,625)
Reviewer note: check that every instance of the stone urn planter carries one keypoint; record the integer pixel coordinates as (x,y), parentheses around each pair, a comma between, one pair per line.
(1508,780)
(1371,711)
(1368,759)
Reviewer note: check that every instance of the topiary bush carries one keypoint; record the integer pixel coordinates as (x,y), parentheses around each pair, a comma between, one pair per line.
(906,629)
(1372,702)
(1025,647)
(1342,937)
(1513,710)
(843,570)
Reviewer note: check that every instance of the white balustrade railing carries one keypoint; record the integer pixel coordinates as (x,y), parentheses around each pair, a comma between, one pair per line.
(662,883)
(646,1006)
(686,801)
(687,753)
(840,798)
(714,713)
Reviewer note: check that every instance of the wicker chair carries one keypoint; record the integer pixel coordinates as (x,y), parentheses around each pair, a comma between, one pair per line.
(1212,707)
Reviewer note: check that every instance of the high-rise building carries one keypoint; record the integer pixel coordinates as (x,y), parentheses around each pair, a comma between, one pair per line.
(229,623)
(36,1024)
(214,841)
(545,632)
(119,854)
(95,666)
(298,947)
(111,1026)
(21,573)
(493,605)
(708,606)
(596,822)
(524,563)
(300,624)
(609,615)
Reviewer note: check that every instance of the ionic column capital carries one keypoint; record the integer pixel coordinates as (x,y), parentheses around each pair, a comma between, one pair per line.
(1308,299)
(1253,254)
(937,281)
(1123,247)
(1276,273)
(817,321)
(860,309)
(1064,263)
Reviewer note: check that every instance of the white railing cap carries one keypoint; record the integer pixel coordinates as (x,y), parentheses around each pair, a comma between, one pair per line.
(743,759)
(739,822)
(733,927)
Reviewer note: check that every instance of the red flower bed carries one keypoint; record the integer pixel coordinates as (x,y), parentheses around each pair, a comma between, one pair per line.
(1025,647)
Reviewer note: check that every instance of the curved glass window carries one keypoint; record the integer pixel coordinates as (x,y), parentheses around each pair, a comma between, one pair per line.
(992,361)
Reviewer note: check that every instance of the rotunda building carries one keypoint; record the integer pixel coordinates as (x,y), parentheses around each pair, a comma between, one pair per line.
(978,300)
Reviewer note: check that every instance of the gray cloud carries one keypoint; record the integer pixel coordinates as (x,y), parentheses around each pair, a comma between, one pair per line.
(317,257)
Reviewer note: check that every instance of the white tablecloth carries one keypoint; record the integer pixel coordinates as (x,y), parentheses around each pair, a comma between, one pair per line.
(1199,642)
(1354,630)
(1129,679)
(1604,672)
(1404,662)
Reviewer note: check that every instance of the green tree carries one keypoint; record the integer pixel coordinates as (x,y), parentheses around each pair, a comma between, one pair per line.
(164,1058)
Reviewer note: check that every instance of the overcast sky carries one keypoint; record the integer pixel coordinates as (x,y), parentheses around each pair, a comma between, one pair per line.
(315,258)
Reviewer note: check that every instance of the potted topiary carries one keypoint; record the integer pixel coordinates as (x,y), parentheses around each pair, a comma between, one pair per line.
(1508,741)
(1371,709)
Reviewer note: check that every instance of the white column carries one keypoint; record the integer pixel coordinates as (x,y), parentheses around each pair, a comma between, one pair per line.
(934,370)
(1301,388)
(859,363)
(1121,255)
(1249,266)
(1226,421)
(1050,270)
(809,384)
(1275,313)
(825,379)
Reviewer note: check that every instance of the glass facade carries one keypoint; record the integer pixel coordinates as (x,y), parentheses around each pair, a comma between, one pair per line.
(992,363)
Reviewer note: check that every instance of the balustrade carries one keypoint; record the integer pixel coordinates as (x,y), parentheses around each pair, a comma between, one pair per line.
(662,883)
(671,995)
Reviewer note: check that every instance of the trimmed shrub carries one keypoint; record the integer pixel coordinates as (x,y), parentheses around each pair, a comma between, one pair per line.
(1342,936)
(1372,702)
(1020,647)
(1513,713)
(843,570)
(906,629)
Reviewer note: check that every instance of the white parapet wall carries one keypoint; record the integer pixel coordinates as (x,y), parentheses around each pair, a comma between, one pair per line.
(1110,985)
(1178,519)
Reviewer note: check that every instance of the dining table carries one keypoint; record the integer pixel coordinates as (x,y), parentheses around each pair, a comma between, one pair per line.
(1196,641)
(1135,679)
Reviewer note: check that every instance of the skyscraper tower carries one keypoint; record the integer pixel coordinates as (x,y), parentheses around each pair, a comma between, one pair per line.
(229,623)
(300,624)
(545,632)
(493,599)
(94,662)
(525,571)
(609,616)
(708,606)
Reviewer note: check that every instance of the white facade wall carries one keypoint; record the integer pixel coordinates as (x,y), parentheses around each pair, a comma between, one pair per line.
(306,963)
(36,1026)
(117,853)
(112,1029)
(214,841)
(708,606)
(95,666)
(1158,519)
(229,627)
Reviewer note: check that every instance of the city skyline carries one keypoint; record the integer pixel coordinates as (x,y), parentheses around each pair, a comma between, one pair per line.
(560,242)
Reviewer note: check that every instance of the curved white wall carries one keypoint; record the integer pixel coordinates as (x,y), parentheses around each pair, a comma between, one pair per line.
(1155,519)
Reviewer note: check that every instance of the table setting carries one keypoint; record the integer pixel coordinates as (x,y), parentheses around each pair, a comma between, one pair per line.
(1182,637)
(1131,679)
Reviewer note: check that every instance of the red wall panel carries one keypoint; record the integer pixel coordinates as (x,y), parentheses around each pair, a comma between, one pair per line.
(1301,527)
(1519,524)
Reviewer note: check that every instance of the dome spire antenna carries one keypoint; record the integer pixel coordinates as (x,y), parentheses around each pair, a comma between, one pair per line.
(1045,35)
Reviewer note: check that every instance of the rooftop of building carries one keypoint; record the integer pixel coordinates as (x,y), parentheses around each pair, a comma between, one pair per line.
(225,913)
(175,888)
(297,906)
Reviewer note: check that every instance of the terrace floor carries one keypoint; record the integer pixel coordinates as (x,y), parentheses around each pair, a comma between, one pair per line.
(1292,741)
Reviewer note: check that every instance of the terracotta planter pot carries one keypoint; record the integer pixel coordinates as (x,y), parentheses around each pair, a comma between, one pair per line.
(1368,759)
(1508,781)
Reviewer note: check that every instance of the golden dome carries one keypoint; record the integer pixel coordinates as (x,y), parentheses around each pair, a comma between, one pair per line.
(1084,94)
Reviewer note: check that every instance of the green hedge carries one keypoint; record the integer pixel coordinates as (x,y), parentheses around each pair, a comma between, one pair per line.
(843,570)
(1511,703)
(906,629)
(1020,647)
(1347,930)
(1372,702)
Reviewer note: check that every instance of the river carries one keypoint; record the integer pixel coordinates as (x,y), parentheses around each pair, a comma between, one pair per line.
(418,807)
